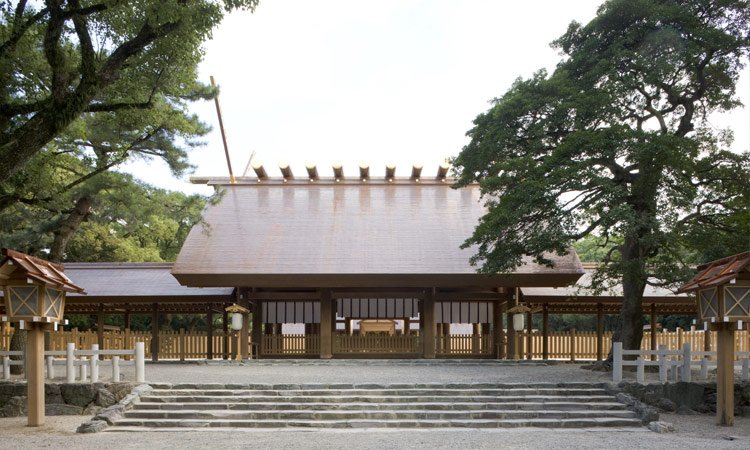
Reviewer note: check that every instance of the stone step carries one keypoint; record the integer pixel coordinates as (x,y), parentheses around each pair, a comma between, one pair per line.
(386,392)
(356,406)
(313,386)
(374,414)
(372,398)
(165,424)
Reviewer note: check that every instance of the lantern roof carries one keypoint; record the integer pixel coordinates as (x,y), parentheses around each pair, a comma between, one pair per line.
(718,272)
(37,269)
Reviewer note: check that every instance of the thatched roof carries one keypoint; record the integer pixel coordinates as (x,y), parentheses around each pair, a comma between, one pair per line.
(328,234)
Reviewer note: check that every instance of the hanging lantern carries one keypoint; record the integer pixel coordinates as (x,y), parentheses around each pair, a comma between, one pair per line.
(519,320)
(237,312)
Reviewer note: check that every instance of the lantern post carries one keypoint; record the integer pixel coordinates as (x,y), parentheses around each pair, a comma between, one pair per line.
(34,291)
(237,313)
(722,293)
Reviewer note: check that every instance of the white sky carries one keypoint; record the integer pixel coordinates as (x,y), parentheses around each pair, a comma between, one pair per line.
(347,81)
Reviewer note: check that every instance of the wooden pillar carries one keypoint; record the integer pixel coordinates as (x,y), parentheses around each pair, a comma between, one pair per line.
(529,335)
(257,327)
(347,326)
(100,326)
(210,334)
(545,331)
(126,319)
(155,333)
(407,326)
(512,344)
(327,323)
(499,334)
(225,329)
(427,324)
(707,340)
(653,330)
(476,335)
(245,331)
(724,373)
(35,375)
(599,331)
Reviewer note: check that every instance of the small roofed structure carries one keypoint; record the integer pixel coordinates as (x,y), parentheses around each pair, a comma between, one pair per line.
(722,289)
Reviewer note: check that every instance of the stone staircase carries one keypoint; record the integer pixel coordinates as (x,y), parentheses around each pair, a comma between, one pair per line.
(564,405)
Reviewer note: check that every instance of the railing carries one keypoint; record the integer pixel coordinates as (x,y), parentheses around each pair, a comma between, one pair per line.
(78,363)
(673,364)
(372,343)
(290,344)
(465,344)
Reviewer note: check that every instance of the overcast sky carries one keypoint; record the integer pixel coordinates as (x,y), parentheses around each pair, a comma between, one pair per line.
(378,82)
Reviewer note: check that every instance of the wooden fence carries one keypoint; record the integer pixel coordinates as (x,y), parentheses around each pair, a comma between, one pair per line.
(290,345)
(465,345)
(572,345)
(373,343)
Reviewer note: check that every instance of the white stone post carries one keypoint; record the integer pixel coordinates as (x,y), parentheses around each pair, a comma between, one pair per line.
(704,368)
(115,368)
(95,363)
(50,368)
(140,362)
(70,362)
(687,357)
(84,369)
(640,373)
(674,362)
(662,363)
(6,368)
(616,362)
(745,376)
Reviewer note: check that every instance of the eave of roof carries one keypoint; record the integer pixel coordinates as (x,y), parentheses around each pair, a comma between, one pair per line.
(717,272)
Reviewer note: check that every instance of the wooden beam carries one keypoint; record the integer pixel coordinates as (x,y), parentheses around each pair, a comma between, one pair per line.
(126,319)
(599,331)
(260,172)
(390,172)
(545,332)
(155,333)
(416,172)
(364,172)
(427,319)
(338,171)
(35,375)
(326,324)
(312,172)
(286,171)
(442,172)
(724,373)
(653,330)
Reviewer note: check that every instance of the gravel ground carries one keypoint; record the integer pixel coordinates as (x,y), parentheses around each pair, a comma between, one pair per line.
(696,431)
(691,432)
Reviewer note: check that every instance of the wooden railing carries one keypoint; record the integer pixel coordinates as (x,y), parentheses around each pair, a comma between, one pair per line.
(290,344)
(372,343)
(465,344)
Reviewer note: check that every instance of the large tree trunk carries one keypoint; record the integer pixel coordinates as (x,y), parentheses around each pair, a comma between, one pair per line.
(68,226)
(629,328)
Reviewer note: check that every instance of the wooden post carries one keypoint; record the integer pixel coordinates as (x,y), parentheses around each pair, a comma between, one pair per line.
(512,344)
(210,334)
(476,331)
(35,374)
(407,326)
(427,318)
(545,331)
(155,333)
(529,335)
(326,324)
(572,344)
(245,331)
(100,326)
(181,340)
(225,329)
(724,373)
(497,324)
(599,331)
(258,327)
(653,330)
(126,319)
(347,327)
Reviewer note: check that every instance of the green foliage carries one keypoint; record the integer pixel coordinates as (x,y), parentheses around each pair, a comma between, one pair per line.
(616,142)
(114,59)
